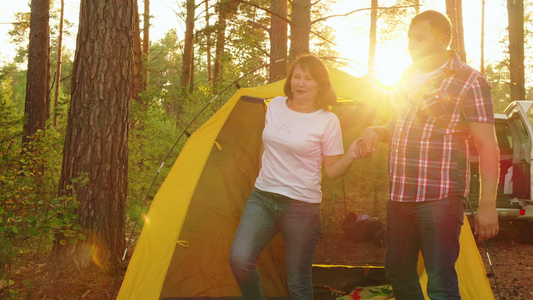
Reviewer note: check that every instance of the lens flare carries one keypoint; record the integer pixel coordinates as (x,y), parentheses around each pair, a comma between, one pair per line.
(146,219)
(96,254)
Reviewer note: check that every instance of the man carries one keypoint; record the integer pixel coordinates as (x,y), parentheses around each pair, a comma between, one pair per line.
(444,102)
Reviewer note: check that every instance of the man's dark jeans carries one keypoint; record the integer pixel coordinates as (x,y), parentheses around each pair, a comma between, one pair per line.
(432,227)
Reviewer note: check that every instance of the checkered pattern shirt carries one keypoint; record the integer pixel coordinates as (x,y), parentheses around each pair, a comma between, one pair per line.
(429,157)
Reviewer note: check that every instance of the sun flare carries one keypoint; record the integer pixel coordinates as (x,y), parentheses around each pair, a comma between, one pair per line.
(391,56)
(390,66)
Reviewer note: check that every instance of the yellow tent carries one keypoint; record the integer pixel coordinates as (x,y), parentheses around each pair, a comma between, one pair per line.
(183,249)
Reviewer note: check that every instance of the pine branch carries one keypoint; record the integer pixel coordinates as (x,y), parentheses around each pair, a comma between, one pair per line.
(361,9)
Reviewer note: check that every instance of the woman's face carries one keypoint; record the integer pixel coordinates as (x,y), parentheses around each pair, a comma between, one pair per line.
(303,86)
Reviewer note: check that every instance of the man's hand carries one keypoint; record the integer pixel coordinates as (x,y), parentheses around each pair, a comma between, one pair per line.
(486,219)
(367,143)
(486,222)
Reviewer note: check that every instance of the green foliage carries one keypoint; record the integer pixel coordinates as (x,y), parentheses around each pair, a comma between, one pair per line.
(322,36)
(498,77)
(164,66)
(11,118)
(394,21)
(247,39)
(30,211)
(19,35)
(14,87)
(149,123)
(498,73)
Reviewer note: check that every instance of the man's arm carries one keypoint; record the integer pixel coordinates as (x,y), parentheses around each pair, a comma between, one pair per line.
(486,218)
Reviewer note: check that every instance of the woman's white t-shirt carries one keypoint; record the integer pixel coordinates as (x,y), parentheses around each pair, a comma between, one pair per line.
(294,144)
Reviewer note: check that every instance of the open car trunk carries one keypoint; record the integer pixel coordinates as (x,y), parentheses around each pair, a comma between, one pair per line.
(514,134)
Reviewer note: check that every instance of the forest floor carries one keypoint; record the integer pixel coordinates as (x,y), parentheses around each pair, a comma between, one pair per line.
(511,273)
(512,265)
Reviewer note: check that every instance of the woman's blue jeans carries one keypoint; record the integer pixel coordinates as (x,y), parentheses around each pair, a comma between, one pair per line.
(432,227)
(264,215)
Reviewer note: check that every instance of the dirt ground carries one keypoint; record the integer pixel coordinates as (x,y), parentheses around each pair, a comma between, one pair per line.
(511,274)
(512,265)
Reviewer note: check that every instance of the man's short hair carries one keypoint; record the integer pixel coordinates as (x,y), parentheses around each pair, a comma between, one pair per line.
(439,22)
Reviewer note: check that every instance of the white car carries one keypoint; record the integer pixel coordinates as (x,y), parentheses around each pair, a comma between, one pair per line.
(515,195)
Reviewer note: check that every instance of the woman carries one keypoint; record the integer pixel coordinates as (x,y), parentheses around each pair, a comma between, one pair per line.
(299,136)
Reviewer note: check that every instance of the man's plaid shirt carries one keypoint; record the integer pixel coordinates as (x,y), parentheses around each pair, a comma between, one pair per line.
(429,157)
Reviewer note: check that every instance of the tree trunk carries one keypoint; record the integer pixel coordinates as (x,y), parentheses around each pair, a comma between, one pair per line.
(515,12)
(373,37)
(460,30)
(37,103)
(138,85)
(224,10)
(58,69)
(146,41)
(300,27)
(482,46)
(191,85)
(219,50)
(454,10)
(187,61)
(96,142)
(278,39)
(208,42)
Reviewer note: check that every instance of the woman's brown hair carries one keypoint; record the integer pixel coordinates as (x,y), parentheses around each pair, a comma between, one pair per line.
(312,64)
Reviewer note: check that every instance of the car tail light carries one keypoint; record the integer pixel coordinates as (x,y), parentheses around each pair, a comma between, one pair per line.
(522,212)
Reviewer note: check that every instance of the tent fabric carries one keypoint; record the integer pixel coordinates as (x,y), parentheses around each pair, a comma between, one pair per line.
(473,281)
(183,249)
(199,205)
(229,176)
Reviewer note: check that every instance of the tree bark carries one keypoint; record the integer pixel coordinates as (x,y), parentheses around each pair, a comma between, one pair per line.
(278,39)
(372,37)
(454,10)
(482,46)
(138,85)
(219,50)
(188,48)
(146,41)
(300,28)
(37,103)
(96,142)
(208,42)
(515,13)
(460,30)
(58,69)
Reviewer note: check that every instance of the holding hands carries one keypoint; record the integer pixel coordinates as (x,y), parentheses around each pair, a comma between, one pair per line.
(367,143)
(338,165)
